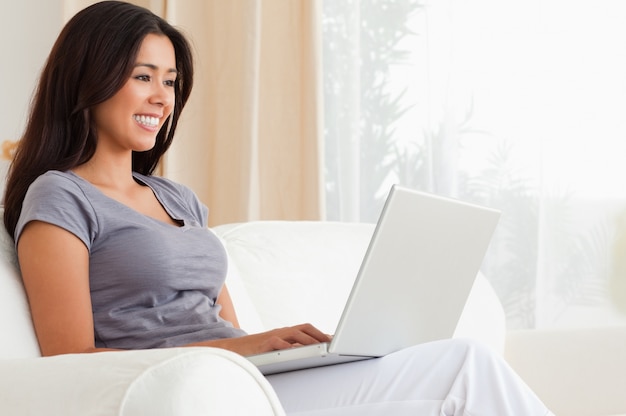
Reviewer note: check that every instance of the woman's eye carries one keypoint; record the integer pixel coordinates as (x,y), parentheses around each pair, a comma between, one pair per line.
(143,77)
(170,82)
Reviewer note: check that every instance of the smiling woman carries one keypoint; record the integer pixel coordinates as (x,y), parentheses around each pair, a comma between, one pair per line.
(98,81)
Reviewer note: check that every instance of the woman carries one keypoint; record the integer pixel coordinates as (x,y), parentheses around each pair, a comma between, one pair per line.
(113,257)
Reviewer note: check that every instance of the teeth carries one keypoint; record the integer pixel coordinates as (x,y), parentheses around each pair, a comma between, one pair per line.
(147,120)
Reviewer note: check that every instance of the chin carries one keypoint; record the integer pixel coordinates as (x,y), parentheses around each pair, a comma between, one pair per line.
(145,146)
(143,149)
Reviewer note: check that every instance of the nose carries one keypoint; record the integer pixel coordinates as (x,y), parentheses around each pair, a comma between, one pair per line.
(162,95)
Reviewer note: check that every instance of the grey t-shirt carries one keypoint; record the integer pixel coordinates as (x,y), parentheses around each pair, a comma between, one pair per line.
(152,284)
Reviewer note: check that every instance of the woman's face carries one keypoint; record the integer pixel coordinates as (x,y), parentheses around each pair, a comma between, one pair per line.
(131,119)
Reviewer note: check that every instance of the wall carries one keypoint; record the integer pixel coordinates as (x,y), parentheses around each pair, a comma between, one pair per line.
(28,29)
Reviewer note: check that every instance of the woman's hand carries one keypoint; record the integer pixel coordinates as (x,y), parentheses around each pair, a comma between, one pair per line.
(277,339)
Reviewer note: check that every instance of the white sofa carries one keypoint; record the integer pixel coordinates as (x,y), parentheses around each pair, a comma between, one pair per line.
(280,273)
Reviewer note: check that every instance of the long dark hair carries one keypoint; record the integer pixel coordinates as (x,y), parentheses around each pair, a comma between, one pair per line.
(91,60)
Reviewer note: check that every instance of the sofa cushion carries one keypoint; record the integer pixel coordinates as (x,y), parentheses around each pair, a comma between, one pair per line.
(294,271)
(16,326)
(247,313)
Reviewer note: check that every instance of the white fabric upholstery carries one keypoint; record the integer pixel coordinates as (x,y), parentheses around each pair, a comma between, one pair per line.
(18,334)
(183,381)
(292,272)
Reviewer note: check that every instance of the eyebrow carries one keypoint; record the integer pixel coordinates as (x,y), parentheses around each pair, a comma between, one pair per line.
(155,67)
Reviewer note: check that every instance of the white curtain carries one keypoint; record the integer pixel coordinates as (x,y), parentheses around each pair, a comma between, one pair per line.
(516,105)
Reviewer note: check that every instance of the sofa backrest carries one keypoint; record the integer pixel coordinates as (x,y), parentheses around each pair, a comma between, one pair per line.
(284,273)
(16,326)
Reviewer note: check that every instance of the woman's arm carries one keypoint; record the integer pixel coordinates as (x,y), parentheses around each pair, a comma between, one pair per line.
(228,309)
(55,269)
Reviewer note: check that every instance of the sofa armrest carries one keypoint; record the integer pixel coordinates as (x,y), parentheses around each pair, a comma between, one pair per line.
(576,372)
(181,381)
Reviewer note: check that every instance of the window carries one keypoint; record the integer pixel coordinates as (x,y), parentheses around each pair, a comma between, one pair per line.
(516,105)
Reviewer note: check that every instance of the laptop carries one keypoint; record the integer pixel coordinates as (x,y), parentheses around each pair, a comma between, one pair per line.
(412,285)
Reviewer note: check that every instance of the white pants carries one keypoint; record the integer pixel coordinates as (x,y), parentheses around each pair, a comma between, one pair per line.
(452,377)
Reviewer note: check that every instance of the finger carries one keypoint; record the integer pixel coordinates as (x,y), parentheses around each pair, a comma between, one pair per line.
(277,343)
(314,333)
(301,338)
(305,335)
(286,337)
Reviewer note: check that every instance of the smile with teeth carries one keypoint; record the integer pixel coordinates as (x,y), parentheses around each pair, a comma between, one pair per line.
(147,121)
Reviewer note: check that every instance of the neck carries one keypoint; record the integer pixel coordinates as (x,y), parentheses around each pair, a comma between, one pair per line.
(110,174)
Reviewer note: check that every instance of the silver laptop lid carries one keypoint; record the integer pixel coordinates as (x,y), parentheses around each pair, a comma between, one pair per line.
(417,273)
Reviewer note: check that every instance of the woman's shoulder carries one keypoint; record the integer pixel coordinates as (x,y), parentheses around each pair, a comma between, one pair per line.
(53,176)
(59,198)
(54,180)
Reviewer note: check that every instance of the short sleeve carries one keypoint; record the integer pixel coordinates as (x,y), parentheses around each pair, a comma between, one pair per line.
(55,198)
